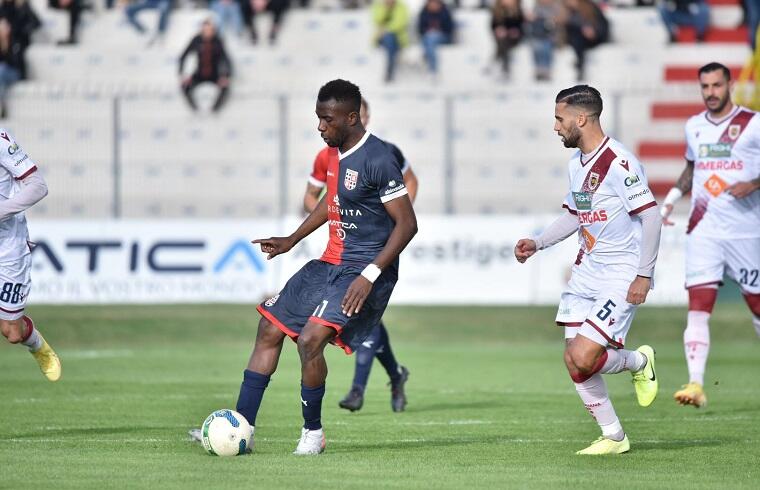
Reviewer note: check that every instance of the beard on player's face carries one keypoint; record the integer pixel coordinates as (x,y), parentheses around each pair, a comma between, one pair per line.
(572,137)
(716,103)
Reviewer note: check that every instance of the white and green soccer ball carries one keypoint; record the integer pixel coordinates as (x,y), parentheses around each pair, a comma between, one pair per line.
(227,433)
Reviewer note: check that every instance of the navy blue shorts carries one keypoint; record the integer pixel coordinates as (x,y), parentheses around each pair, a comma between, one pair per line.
(314,294)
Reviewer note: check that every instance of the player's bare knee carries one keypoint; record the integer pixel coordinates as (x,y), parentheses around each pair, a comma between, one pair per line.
(12,330)
(569,361)
(268,334)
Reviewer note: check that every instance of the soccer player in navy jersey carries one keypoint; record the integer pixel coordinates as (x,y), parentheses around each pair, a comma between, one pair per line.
(340,297)
(378,343)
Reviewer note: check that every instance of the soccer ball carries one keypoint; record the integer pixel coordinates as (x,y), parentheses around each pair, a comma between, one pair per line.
(227,433)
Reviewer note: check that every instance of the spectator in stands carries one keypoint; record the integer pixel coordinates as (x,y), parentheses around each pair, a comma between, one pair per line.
(586,27)
(542,25)
(391,18)
(23,20)
(163,7)
(11,62)
(679,13)
(228,13)
(252,8)
(74,8)
(507,29)
(435,27)
(214,65)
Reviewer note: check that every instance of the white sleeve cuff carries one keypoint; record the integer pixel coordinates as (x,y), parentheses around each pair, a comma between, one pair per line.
(315,182)
(390,197)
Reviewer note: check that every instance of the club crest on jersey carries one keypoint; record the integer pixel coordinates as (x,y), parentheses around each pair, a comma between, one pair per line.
(352,176)
(734,131)
(593,181)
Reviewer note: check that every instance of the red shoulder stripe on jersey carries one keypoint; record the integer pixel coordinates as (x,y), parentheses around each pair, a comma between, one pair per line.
(27,173)
(613,343)
(571,211)
(599,169)
(736,127)
(697,213)
(642,208)
(277,323)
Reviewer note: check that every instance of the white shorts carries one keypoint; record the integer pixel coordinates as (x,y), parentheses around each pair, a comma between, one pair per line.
(708,259)
(594,305)
(15,284)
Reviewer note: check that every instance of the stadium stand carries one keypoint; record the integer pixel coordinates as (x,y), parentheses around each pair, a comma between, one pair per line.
(106,120)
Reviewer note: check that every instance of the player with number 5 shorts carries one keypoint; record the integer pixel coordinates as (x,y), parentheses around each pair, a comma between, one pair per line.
(21,186)
(614,214)
(723,233)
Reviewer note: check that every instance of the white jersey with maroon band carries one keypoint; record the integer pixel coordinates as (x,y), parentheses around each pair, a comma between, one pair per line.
(607,188)
(724,152)
(15,164)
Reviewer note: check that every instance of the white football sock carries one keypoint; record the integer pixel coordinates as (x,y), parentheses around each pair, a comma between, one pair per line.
(593,393)
(34,342)
(696,343)
(619,360)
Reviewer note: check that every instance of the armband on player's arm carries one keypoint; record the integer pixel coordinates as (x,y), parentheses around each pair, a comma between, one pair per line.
(674,195)
(563,227)
(651,226)
(33,189)
(371,273)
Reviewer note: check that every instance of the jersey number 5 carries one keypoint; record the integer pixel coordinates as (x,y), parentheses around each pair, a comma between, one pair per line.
(606,310)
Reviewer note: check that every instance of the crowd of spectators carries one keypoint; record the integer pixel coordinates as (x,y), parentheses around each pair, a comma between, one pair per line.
(546,25)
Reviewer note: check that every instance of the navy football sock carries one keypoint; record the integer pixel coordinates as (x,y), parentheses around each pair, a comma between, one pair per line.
(385,355)
(311,405)
(251,393)
(365,355)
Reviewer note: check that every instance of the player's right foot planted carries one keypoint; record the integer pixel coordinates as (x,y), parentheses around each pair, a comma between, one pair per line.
(645,380)
(311,442)
(606,446)
(353,400)
(398,396)
(48,361)
(691,394)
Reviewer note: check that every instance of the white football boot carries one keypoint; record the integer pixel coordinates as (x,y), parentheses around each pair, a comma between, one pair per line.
(311,442)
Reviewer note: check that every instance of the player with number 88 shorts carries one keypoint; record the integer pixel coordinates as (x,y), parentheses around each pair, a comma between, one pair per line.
(21,186)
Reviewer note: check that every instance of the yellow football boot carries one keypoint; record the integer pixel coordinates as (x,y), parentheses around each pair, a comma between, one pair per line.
(645,381)
(48,361)
(691,394)
(606,446)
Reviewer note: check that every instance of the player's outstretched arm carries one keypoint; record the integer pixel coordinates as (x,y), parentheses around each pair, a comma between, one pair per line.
(683,186)
(275,246)
(311,197)
(651,228)
(402,213)
(33,189)
(563,227)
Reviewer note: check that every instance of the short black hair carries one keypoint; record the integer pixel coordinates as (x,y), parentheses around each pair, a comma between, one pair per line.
(583,96)
(714,66)
(341,91)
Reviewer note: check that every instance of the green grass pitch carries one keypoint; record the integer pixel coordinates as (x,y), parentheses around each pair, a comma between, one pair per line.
(490,405)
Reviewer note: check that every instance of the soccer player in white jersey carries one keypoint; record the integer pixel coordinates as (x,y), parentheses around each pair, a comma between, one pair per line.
(21,186)
(615,216)
(723,234)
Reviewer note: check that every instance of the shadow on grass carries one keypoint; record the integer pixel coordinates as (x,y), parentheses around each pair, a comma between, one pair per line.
(81,432)
(417,443)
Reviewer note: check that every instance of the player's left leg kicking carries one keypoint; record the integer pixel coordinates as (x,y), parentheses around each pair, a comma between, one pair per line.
(595,331)
(15,285)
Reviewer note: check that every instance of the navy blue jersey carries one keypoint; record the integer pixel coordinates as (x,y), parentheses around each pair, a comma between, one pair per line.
(358,184)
